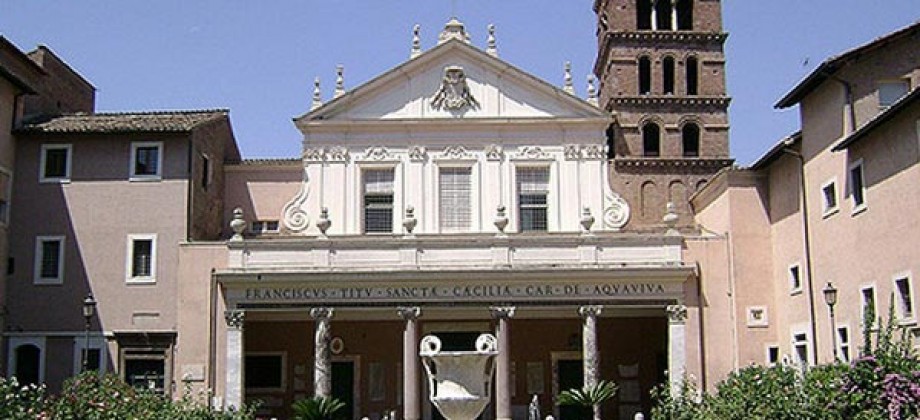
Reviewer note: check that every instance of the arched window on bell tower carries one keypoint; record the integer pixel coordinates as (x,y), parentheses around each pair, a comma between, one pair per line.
(693,76)
(651,140)
(685,15)
(662,17)
(691,140)
(644,15)
(667,74)
(645,75)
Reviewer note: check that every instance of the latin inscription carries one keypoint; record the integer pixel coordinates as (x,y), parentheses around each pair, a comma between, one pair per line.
(458,292)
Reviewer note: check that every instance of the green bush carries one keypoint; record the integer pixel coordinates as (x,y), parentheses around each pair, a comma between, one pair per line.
(318,409)
(20,401)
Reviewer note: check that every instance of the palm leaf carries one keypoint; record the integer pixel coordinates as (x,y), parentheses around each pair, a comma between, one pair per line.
(588,396)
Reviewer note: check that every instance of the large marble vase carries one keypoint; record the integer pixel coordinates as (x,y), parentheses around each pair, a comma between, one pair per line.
(460,382)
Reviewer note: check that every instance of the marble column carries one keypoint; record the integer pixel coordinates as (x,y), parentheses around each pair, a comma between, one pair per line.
(233,391)
(677,358)
(412,398)
(503,362)
(322,365)
(590,356)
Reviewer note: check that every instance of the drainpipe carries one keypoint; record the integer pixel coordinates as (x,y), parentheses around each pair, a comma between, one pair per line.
(787,148)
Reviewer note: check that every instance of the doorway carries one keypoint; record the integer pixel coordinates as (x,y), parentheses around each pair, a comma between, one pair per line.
(568,373)
(343,386)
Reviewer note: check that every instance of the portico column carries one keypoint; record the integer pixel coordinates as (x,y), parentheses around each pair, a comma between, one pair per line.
(322,366)
(412,399)
(677,359)
(503,362)
(233,389)
(590,356)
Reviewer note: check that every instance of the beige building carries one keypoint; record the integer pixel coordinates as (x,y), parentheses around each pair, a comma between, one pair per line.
(453,195)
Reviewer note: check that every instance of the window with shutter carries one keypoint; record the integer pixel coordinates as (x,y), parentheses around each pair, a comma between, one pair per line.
(533,189)
(378,201)
(455,196)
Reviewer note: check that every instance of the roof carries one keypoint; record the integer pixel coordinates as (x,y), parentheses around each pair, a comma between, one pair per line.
(879,120)
(830,66)
(9,70)
(268,162)
(127,122)
(777,150)
(42,50)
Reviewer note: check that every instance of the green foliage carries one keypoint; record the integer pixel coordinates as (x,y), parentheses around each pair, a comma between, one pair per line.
(588,396)
(882,384)
(318,409)
(20,401)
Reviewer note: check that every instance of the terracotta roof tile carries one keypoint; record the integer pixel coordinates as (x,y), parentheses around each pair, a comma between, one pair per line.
(126,122)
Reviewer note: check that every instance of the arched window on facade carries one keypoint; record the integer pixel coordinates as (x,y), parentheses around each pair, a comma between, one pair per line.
(663,12)
(28,363)
(693,73)
(644,14)
(691,140)
(645,75)
(651,140)
(611,142)
(667,74)
(685,15)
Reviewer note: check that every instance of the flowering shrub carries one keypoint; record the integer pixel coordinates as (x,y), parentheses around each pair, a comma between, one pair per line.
(20,401)
(882,384)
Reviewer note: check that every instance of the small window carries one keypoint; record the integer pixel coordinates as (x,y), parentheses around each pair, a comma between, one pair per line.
(772,355)
(49,260)
(869,309)
(891,92)
(146,161)
(663,12)
(205,172)
(645,75)
(644,14)
(651,140)
(800,349)
(6,189)
(93,354)
(667,73)
(455,194)
(145,369)
(843,343)
(533,189)
(829,198)
(904,302)
(141,265)
(795,279)
(685,15)
(260,227)
(378,201)
(857,186)
(265,372)
(691,140)
(693,82)
(55,163)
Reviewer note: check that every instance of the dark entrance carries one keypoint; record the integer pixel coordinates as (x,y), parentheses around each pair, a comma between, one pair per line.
(146,373)
(570,376)
(343,386)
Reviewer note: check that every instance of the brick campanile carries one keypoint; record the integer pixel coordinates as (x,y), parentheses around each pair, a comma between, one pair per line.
(661,67)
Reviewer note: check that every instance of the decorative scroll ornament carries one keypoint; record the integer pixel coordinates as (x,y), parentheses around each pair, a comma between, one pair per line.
(533,153)
(295,214)
(314,154)
(418,153)
(235,318)
(337,154)
(593,152)
(494,152)
(456,152)
(572,152)
(454,94)
(377,153)
(616,215)
(677,313)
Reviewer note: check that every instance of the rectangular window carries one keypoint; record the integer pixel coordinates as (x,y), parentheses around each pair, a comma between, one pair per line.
(145,369)
(455,186)
(857,185)
(260,227)
(904,302)
(795,279)
(378,201)
(772,355)
(49,260)
(93,354)
(6,189)
(533,189)
(800,349)
(55,163)
(205,172)
(146,160)
(265,371)
(141,265)
(843,343)
(891,92)
(869,310)
(829,195)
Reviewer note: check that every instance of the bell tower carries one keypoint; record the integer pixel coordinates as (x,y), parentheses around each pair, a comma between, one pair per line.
(661,66)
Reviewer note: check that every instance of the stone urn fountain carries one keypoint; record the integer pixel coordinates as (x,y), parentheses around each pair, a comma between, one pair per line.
(460,382)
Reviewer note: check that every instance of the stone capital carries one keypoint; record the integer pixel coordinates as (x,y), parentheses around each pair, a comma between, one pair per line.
(235,318)
(409,313)
(677,314)
(590,311)
(321,314)
(502,312)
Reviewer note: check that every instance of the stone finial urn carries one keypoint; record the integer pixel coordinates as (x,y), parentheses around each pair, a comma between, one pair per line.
(460,382)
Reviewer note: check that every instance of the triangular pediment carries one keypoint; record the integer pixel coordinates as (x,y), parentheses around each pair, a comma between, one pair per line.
(498,90)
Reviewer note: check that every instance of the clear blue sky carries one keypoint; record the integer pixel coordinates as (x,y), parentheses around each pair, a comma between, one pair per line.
(259,58)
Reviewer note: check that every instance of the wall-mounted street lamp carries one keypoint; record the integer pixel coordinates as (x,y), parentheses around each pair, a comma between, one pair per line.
(830,298)
(89,309)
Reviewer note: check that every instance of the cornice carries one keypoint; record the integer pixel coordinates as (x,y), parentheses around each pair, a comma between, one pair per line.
(721,102)
(646,162)
(667,36)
